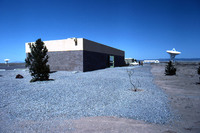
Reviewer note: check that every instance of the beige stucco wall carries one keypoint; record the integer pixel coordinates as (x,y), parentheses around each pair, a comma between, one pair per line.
(82,44)
(61,45)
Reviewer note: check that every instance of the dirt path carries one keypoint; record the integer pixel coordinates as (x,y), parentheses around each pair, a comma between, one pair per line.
(184,94)
(91,125)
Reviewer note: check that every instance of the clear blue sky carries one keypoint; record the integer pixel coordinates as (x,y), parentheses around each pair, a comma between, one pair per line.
(144,29)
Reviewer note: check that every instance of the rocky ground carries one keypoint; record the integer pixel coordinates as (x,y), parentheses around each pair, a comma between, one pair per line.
(183,95)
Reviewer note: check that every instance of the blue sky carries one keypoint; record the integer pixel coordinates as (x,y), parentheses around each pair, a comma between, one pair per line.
(144,29)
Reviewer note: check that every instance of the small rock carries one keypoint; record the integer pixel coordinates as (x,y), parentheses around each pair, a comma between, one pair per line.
(187,107)
(169,131)
(19,76)
(74,72)
(189,128)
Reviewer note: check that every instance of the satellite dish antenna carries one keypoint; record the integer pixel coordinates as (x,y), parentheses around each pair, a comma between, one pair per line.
(173,53)
(6,61)
(75,40)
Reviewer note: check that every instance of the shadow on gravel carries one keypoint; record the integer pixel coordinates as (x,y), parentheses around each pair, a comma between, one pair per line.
(32,80)
(51,80)
(46,80)
(53,71)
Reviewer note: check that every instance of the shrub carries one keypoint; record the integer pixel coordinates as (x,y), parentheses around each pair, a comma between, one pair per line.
(199,69)
(135,83)
(170,69)
(37,61)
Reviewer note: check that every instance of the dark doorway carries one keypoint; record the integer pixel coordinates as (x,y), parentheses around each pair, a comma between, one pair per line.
(112,61)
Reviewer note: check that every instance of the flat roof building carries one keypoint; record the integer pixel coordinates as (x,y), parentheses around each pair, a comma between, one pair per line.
(79,54)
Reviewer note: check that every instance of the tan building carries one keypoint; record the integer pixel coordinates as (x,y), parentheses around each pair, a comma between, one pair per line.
(79,54)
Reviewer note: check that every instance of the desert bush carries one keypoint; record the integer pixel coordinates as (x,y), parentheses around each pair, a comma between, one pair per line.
(37,61)
(170,69)
(135,83)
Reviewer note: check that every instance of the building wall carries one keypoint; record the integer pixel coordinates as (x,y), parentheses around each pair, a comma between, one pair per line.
(61,45)
(119,61)
(96,60)
(66,60)
(64,54)
(100,48)
(80,55)
(96,56)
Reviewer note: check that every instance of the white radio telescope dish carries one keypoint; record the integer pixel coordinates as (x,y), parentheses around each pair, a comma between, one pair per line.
(6,61)
(173,53)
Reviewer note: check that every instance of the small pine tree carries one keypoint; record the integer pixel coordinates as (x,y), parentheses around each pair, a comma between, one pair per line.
(198,71)
(170,69)
(37,61)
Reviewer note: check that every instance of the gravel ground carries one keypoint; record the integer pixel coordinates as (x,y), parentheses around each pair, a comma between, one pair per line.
(105,92)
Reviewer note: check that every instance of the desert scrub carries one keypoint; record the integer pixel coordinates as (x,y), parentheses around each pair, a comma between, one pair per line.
(135,83)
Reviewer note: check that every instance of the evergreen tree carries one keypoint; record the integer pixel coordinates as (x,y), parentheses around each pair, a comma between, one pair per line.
(37,61)
(170,69)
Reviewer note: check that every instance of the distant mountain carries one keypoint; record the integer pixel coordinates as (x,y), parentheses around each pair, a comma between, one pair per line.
(177,59)
(182,59)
